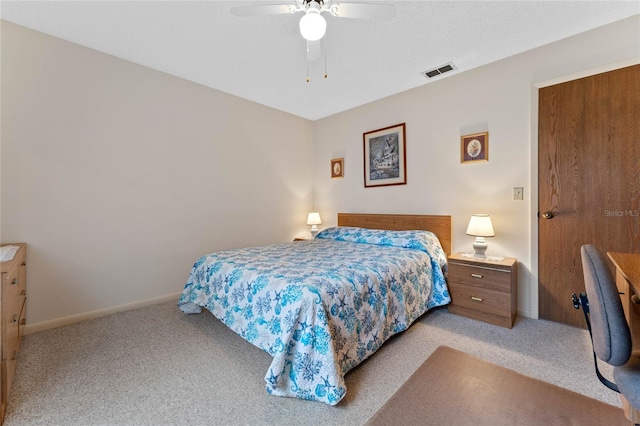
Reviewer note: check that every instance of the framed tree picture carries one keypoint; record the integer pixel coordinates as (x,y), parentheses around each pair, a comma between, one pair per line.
(474,148)
(385,158)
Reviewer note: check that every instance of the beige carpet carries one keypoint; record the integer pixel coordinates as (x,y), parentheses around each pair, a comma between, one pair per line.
(155,366)
(453,388)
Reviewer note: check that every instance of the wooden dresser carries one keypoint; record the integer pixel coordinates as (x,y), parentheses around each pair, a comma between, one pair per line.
(12,313)
(483,289)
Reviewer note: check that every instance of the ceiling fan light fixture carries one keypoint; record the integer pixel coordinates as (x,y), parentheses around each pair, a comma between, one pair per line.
(313,26)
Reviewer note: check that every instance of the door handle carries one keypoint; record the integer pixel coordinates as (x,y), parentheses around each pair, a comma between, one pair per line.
(548,214)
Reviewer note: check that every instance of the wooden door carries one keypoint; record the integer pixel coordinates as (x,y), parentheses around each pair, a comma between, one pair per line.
(588,180)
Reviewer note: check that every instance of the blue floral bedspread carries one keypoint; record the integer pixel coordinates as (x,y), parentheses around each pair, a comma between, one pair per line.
(321,307)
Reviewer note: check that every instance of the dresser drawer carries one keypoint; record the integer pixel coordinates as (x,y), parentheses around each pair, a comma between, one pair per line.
(13,340)
(13,301)
(478,276)
(13,318)
(481,299)
(15,284)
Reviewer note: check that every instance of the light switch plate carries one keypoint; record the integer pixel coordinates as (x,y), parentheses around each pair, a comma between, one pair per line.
(518,193)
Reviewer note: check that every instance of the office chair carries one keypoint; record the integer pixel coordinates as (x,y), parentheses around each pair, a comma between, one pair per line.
(610,335)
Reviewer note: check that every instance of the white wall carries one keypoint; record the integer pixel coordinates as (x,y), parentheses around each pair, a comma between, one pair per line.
(118,176)
(500,98)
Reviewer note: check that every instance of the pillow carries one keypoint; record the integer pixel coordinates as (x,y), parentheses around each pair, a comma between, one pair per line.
(425,241)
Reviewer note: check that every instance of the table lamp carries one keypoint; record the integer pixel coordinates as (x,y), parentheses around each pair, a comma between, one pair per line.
(314,220)
(480,227)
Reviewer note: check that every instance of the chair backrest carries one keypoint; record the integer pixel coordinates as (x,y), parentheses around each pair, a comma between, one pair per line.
(611,336)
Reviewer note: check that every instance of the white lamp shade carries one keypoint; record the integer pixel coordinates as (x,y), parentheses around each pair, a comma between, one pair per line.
(314,219)
(480,226)
(313,26)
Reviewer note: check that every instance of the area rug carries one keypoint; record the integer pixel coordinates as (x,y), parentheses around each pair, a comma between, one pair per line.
(453,388)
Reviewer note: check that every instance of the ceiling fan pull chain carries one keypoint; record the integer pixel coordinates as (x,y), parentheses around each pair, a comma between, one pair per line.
(325,55)
(308,79)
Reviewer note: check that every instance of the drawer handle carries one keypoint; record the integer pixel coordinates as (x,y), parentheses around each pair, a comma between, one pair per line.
(14,282)
(476,299)
(15,318)
(14,356)
(23,322)
(477,275)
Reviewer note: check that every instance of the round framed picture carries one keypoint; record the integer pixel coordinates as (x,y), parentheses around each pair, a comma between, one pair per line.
(337,168)
(474,148)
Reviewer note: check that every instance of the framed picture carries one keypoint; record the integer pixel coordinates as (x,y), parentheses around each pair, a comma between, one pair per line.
(337,168)
(385,158)
(474,148)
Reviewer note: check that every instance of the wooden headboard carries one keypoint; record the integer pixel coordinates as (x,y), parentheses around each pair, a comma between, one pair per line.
(439,225)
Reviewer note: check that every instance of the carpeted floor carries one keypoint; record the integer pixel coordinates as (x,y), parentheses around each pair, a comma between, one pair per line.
(157,366)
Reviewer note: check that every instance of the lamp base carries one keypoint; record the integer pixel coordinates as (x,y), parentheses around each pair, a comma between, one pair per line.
(480,247)
(314,231)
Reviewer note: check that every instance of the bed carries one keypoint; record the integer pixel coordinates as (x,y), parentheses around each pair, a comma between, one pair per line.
(321,307)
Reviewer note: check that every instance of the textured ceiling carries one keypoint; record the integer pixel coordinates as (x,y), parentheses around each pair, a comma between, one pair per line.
(264,58)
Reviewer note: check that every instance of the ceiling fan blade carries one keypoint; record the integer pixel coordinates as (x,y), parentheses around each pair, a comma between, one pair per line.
(374,11)
(262,10)
(314,50)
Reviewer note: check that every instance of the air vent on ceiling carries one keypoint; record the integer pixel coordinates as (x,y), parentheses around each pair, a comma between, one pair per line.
(439,70)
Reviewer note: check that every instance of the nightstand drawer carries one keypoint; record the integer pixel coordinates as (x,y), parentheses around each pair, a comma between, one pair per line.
(480,299)
(489,278)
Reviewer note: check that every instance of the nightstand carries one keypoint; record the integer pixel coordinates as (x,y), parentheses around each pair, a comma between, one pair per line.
(485,290)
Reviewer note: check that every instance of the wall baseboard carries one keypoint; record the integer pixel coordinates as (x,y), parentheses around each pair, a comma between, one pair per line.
(47,325)
(526,313)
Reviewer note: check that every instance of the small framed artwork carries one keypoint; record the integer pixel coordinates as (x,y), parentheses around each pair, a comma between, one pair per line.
(474,148)
(385,159)
(337,168)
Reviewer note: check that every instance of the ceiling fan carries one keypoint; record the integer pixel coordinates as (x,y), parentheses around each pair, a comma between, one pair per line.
(312,24)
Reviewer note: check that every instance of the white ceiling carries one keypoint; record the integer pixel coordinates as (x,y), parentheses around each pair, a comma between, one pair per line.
(263,58)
